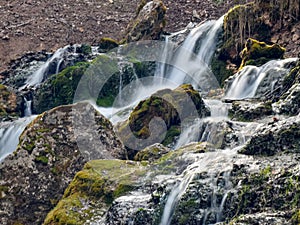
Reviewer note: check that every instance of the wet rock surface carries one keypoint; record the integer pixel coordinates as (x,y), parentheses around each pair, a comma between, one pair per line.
(34,178)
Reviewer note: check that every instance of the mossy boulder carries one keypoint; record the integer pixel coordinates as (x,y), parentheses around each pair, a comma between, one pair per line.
(47,158)
(258,53)
(151,153)
(158,118)
(94,189)
(261,20)
(59,89)
(107,44)
(9,106)
(149,22)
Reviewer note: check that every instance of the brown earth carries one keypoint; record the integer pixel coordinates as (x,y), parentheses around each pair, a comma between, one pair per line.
(34,25)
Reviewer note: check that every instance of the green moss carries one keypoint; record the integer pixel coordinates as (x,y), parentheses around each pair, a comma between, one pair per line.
(296,218)
(60,88)
(29,146)
(258,53)
(173,132)
(84,49)
(98,184)
(107,44)
(42,159)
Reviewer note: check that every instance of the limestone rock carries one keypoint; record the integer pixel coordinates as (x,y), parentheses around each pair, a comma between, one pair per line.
(151,153)
(289,103)
(275,137)
(148,23)
(34,177)
(9,106)
(250,110)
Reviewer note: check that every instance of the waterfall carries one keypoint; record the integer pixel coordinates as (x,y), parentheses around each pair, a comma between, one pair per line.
(246,82)
(190,57)
(9,135)
(205,129)
(212,163)
(195,55)
(37,77)
(28,105)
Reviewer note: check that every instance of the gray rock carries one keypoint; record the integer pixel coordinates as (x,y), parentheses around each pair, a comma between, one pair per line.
(34,177)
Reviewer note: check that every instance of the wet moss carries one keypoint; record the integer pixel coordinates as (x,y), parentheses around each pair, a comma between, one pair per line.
(42,159)
(94,187)
(257,53)
(267,189)
(84,49)
(107,44)
(60,88)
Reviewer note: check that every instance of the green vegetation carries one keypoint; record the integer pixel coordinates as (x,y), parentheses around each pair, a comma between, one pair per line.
(107,44)
(84,49)
(96,186)
(257,53)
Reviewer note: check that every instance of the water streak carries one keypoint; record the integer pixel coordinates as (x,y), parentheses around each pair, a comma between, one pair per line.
(247,81)
(212,163)
(9,135)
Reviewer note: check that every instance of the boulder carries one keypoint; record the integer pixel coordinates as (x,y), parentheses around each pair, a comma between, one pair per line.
(9,104)
(107,44)
(289,103)
(250,110)
(275,137)
(158,118)
(258,53)
(149,22)
(34,177)
(93,190)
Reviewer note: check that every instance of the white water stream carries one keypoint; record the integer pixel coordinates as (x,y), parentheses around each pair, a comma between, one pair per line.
(9,135)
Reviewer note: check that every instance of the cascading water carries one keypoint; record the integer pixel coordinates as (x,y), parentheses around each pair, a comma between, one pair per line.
(212,164)
(246,82)
(205,129)
(9,135)
(191,60)
(28,105)
(194,68)
(37,77)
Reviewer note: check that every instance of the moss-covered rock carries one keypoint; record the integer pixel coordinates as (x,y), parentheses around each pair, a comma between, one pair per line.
(93,190)
(172,106)
(47,158)
(151,153)
(148,23)
(8,103)
(59,89)
(260,20)
(258,53)
(107,44)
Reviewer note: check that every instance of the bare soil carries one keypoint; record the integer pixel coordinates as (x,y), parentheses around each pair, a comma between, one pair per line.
(35,25)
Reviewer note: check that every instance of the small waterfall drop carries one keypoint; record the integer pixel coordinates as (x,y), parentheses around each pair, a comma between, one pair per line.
(28,106)
(9,135)
(205,129)
(246,82)
(213,164)
(37,77)
(194,56)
